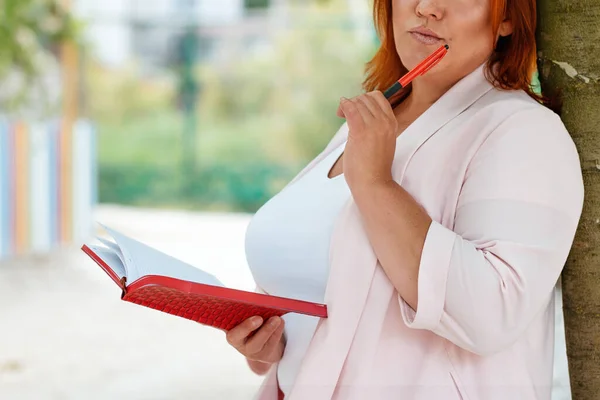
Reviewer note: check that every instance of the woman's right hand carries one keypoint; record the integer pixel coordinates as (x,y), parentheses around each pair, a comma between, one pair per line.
(265,347)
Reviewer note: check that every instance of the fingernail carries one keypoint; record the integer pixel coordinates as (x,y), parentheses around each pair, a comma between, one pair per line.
(256,321)
(342,99)
(274,321)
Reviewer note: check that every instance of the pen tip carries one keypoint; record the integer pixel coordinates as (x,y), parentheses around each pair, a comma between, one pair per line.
(446,46)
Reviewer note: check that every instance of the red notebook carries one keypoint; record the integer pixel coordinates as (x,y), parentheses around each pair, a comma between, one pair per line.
(156,280)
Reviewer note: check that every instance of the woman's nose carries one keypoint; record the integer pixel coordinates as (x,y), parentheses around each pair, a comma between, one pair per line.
(429,9)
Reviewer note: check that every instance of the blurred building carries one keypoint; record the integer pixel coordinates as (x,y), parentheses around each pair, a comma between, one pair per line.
(147,30)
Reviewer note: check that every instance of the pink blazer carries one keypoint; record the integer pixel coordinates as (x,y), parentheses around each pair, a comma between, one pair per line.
(501,178)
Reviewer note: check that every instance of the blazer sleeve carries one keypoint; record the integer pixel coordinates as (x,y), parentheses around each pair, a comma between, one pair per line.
(481,283)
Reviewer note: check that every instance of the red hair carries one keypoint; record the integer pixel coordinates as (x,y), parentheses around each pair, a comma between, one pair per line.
(510,66)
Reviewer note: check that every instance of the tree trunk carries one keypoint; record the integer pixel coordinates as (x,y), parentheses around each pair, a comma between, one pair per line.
(569,55)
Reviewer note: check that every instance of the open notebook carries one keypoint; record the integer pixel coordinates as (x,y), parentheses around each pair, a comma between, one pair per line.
(156,280)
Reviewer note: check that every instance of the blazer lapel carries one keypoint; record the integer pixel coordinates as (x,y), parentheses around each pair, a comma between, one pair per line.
(352,263)
(352,259)
(269,388)
(455,101)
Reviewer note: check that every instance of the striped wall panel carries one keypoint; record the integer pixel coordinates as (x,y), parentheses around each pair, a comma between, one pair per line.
(53,187)
(20,178)
(47,185)
(39,184)
(82,179)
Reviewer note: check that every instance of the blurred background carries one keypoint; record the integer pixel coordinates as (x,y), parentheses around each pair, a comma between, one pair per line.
(171,121)
(215,104)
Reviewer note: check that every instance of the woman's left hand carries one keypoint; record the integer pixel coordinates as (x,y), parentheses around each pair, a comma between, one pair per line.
(371,144)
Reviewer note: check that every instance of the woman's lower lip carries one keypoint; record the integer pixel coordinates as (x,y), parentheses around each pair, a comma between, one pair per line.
(425,39)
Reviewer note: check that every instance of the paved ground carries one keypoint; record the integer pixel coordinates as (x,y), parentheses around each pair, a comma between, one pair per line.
(65,334)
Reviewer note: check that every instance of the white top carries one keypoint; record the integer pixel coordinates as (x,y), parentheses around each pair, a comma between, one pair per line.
(287,249)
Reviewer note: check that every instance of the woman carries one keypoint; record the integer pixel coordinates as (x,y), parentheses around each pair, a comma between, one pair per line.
(434,228)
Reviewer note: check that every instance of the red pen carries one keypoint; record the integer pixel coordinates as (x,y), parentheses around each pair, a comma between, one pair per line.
(420,69)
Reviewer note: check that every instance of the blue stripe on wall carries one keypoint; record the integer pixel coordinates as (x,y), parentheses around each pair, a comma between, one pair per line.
(94,165)
(39,189)
(32,187)
(81,193)
(53,130)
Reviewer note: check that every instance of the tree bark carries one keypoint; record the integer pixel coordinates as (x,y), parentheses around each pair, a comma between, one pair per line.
(569,61)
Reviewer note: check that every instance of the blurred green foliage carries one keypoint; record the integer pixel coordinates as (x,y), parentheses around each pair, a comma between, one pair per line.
(256,3)
(260,120)
(30,31)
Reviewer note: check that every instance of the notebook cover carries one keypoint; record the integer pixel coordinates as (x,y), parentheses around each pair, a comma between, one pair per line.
(120,282)
(222,308)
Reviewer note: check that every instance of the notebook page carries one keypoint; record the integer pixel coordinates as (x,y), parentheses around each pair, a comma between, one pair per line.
(130,269)
(146,260)
(112,246)
(110,258)
(109,244)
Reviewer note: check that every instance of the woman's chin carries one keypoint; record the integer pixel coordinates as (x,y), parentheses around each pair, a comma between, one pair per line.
(410,61)
(411,55)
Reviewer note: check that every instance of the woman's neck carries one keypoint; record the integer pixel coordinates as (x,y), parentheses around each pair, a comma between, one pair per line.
(421,96)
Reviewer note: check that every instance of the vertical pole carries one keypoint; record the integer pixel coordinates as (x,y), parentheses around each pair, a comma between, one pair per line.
(70,78)
(21,173)
(188,96)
